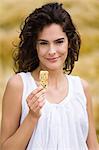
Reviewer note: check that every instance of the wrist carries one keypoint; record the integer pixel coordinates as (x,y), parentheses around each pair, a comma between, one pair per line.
(33,116)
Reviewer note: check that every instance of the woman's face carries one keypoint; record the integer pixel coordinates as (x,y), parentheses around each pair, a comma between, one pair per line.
(52,47)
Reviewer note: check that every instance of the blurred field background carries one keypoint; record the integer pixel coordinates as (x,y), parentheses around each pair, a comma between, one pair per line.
(85,14)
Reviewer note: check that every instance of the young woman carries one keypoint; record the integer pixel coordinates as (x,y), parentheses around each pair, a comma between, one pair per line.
(60,117)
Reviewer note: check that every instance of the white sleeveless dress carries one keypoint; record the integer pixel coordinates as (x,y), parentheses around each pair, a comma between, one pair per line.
(62,126)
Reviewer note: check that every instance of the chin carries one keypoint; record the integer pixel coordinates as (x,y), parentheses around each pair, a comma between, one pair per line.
(53,68)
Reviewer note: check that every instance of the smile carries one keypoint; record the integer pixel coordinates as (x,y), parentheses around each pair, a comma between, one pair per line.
(53,59)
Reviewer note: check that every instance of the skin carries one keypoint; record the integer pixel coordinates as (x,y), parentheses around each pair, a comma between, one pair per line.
(52,52)
(11,132)
(92,138)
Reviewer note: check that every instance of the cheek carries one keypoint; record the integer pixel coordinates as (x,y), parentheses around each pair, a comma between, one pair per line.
(40,52)
(64,52)
(41,55)
(64,49)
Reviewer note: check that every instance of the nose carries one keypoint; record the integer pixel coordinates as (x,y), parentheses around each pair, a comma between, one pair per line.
(52,51)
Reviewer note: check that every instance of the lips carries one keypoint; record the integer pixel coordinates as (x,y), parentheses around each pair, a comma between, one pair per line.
(53,59)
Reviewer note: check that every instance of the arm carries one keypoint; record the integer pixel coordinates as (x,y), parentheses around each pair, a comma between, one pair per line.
(13,136)
(92,138)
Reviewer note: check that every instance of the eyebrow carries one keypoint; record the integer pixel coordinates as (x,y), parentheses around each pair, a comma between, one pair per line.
(59,39)
(42,40)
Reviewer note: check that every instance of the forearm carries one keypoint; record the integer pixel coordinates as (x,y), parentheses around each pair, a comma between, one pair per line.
(95,147)
(20,139)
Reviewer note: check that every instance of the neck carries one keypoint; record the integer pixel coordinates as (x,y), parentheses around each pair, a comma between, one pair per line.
(56,78)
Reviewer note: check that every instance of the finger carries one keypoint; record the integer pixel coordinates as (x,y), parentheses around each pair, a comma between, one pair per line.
(37,96)
(38,89)
(41,103)
(37,109)
(40,94)
(34,97)
(32,104)
(38,84)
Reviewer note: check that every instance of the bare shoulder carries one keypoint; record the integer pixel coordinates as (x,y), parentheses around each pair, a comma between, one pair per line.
(86,88)
(85,84)
(15,81)
(11,99)
(92,138)
(13,91)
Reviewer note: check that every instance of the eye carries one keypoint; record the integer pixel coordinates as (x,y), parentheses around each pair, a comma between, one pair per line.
(43,43)
(59,42)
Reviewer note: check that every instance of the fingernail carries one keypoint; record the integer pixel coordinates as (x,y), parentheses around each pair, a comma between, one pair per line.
(44,90)
(41,87)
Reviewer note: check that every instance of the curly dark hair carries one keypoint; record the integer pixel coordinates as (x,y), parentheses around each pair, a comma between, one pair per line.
(26,58)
